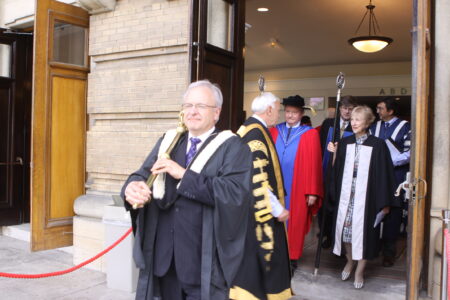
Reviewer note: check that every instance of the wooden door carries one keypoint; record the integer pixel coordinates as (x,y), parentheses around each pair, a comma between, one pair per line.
(15,108)
(420,129)
(216,53)
(59,121)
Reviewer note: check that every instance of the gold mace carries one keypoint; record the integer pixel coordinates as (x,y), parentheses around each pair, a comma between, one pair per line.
(180,130)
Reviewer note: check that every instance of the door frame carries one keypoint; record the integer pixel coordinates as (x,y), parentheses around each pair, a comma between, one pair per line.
(420,148)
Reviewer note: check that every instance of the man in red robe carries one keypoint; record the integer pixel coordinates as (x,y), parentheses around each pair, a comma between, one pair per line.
(298,149)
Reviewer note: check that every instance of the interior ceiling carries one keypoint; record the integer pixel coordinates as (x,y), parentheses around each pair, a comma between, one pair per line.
(315,32)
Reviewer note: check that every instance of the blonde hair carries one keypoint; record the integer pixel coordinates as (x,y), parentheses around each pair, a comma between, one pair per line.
(366,112)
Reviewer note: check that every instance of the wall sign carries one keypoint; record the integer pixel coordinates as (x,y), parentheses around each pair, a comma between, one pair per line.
(393,91)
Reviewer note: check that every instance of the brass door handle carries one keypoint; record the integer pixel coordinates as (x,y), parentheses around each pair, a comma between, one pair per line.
(425,187)
(19,161)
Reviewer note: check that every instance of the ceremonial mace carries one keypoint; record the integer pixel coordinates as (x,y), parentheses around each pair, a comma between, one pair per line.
(180,130)
(340,83)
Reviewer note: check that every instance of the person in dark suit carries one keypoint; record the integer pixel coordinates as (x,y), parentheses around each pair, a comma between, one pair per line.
(190,237)
(346,106)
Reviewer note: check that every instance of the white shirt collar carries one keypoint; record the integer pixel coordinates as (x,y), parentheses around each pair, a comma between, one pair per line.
(259,119)
(202,138)
(391,121)
(342,121)
(295,126)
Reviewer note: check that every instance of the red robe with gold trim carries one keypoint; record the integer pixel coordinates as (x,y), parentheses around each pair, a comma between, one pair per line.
(302,177)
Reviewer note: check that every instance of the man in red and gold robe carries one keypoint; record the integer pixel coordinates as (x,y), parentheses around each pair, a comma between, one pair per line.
(299,152)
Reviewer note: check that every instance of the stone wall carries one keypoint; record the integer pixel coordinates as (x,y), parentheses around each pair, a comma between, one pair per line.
(139,71)
(441,143)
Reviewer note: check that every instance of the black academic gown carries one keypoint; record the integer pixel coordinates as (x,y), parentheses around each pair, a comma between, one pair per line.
(326,136)
(265,268)
(220,195)
(376,188)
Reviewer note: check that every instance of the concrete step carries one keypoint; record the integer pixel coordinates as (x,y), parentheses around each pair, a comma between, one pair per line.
(20,232)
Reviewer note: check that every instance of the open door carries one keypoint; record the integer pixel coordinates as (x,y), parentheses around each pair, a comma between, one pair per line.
(59,121)
(15,113)
(420,129)
(216,53)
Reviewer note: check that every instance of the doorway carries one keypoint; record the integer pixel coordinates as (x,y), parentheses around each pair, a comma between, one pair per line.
(16,56)
(292,46)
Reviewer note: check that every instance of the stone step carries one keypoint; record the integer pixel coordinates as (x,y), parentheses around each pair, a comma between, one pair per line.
(306,286)
(22,232)
(19,232)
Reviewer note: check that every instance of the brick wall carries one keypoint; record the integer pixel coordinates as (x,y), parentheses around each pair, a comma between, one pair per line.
(139,70)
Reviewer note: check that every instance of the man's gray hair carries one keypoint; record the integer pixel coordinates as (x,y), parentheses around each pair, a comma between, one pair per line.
(263,101)
(214,88)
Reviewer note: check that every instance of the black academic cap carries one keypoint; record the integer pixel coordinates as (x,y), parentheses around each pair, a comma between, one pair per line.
(296,101)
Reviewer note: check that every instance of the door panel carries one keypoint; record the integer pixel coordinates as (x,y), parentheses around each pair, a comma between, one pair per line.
(420,129)
(59,120)
(219,69)
(217,41)
(67,154)
(15,107)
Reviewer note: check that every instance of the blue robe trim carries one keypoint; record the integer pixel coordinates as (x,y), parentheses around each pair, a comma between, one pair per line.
(287,153)
(326,154)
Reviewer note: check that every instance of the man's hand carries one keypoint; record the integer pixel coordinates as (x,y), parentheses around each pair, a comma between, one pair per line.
(164,165)
(386,210)
(284,216)
(311,200)
(137,193)
(332,147)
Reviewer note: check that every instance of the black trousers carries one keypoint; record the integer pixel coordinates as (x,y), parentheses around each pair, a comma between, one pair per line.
(391,231)
(172,288)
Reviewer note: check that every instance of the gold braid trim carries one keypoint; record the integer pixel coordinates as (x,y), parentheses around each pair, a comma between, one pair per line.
(286,294)
(238,293)
(243,130)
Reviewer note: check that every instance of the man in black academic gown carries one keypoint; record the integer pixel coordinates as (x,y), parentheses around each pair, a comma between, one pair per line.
(397,134)
(190,237)
(346,106)
(264,273)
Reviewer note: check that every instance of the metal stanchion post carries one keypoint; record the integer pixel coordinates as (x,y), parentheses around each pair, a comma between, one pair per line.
(444,269)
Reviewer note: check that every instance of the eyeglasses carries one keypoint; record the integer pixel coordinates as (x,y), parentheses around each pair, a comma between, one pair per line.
(199,106)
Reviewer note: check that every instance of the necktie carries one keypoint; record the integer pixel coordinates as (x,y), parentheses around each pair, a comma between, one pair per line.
(344,125)
(288,134)
(386,126)
(193,150)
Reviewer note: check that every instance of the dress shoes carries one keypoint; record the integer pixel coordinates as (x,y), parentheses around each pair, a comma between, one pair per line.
(388,261)
(358,284)
(345,275)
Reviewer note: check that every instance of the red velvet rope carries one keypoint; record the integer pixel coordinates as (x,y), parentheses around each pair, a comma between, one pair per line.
(58,273)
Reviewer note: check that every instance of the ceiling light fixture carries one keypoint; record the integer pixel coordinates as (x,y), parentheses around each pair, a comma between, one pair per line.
(262,9)
(372,42)
(273,42)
